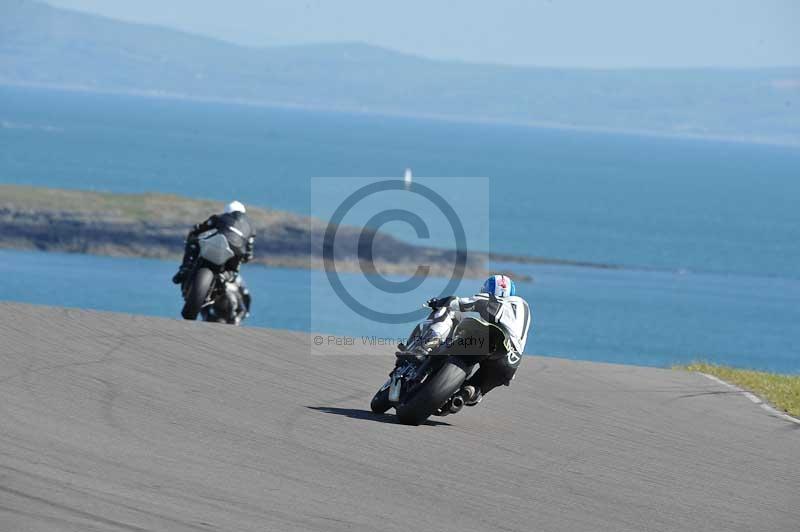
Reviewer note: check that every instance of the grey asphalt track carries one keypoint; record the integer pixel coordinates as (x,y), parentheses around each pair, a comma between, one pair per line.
(116,422)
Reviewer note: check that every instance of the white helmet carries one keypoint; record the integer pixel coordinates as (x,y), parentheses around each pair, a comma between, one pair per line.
(234,206)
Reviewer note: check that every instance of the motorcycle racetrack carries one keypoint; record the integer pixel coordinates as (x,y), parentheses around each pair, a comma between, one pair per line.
(117,422)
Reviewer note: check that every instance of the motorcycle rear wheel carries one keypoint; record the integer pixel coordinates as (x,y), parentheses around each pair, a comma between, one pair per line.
(433,393)
(198,291)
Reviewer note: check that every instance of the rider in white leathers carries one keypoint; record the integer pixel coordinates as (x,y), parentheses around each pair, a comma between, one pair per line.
(498,305)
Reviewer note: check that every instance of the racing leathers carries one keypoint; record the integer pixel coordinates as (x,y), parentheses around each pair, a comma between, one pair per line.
(511,315)
(241,237)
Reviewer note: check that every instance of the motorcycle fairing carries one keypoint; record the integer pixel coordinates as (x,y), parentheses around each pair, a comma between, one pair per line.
(215,248)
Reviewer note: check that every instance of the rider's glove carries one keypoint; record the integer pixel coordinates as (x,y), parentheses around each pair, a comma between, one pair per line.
(439,303)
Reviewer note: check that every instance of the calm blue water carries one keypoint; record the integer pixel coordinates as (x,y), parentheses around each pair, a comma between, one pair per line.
(646,202)
(646,318)
(724,214)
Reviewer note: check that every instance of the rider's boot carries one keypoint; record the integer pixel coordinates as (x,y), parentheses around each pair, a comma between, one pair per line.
(472,394)
(180,277)
(422,349)
(402,355)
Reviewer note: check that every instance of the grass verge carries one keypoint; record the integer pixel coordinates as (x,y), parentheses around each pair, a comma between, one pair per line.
(783,391)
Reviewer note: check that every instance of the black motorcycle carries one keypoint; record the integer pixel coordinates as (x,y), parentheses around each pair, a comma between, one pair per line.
(210,290)
(422,385)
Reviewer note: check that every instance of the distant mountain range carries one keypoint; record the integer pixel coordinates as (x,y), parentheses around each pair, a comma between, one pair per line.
(44,46)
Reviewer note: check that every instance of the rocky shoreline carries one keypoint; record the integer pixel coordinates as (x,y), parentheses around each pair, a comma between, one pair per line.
(155,225)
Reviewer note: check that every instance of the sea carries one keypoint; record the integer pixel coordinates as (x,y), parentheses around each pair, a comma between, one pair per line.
(703,235)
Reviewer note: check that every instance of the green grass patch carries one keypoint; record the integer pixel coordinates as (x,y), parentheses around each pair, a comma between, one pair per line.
(783,391)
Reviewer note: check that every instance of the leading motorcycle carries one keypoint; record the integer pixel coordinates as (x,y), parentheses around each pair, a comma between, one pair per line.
(210,290)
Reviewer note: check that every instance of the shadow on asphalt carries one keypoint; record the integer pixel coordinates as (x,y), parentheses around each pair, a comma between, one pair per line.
(356,413)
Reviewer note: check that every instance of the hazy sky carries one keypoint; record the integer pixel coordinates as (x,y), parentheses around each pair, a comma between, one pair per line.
(587,33)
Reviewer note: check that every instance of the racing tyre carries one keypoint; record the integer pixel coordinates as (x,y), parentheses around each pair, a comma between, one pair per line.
(201,284)
(433,394)
(380,403)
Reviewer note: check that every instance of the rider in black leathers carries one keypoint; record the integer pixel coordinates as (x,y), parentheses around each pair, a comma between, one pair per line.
(236,227)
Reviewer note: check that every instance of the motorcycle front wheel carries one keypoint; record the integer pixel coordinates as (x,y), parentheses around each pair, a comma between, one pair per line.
(380,402)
